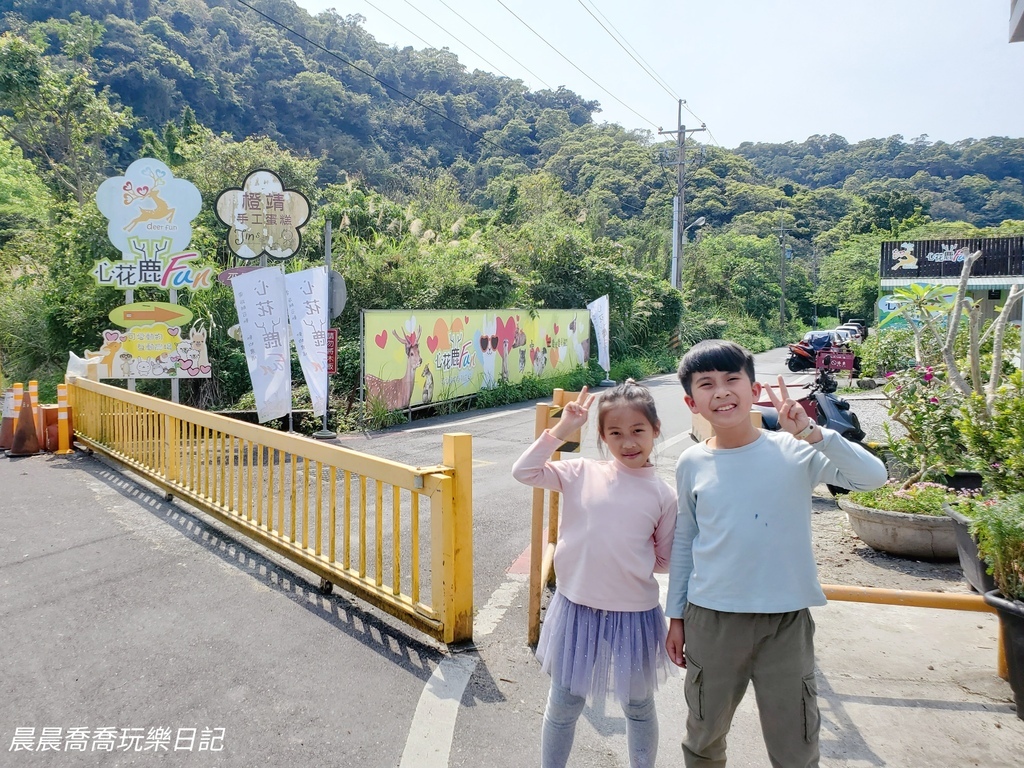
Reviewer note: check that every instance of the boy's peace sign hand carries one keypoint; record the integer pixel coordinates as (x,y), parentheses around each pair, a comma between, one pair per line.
(574,415)
(792,417)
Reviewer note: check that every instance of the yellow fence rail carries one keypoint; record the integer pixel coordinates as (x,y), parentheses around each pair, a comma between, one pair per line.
(397,536)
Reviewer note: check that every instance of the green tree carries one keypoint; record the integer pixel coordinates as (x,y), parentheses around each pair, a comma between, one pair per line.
(54,114)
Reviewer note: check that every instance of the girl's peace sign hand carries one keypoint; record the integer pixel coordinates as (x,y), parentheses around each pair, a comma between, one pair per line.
(574,415)
(792,417)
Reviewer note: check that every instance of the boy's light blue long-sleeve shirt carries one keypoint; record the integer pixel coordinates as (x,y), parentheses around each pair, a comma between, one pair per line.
(743,534)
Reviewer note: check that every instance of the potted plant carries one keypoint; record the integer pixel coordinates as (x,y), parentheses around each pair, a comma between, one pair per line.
(953,368)
(992,429)
(904,520)
(999,528)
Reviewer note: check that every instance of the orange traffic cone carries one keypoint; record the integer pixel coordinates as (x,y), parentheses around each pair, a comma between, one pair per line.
(9,419)
(26,439)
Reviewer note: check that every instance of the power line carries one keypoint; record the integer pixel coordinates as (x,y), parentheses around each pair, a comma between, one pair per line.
(549,45)
(373,77)
(400,92)
(644,66)
(396,21)
(481,33)
(421,13)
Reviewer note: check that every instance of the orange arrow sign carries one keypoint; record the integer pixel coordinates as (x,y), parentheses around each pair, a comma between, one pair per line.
(155,315)
(142,313)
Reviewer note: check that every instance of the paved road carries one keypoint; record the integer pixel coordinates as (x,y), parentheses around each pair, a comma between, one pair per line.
(120,610)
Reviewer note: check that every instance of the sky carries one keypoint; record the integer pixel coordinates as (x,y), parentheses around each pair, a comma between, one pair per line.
(751,70)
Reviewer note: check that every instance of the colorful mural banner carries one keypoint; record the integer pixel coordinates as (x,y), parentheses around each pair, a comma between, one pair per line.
(307,313)
(427,356)
(263,322)
(153,351)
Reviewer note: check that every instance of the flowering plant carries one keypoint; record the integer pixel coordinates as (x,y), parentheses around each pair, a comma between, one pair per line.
(993,432)
(916,498)
(928,410)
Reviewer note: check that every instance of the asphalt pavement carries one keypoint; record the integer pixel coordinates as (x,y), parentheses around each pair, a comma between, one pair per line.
(138,624)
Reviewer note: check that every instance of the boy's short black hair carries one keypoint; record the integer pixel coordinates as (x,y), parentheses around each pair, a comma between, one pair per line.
(714,355)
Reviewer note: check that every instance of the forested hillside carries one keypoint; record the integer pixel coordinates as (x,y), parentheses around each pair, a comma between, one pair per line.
(445,188)
(980,181)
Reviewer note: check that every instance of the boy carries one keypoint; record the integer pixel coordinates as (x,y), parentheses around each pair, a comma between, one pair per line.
(742,574)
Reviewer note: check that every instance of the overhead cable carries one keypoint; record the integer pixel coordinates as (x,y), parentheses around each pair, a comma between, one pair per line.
(373,77)
(421,13)
(396,21)
(482,34)
(648,70)
(573,64)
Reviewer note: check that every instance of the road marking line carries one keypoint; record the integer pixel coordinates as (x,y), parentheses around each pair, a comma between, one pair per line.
(433,726)
(673,440)
(488,618)
(448,425)
(432,730)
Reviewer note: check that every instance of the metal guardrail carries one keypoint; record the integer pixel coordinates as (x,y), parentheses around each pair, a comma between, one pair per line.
(397,536)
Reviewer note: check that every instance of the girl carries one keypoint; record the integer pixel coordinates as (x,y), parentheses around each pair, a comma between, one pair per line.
(604,632)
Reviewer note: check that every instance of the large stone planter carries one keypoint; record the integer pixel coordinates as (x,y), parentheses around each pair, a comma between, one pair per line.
(923,537)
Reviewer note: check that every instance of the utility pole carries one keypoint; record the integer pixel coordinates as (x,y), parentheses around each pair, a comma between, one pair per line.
(814,275)
(679,204)
(782,275)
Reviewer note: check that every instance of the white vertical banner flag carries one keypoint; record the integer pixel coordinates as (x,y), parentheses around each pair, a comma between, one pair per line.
(307,310)
(599,317)
(263,320)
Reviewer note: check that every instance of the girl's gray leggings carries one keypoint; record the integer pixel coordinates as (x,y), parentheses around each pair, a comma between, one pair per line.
(564,709)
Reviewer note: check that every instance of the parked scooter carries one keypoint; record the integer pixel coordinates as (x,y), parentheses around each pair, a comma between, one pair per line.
(827,410)
(804,354)
(824,407)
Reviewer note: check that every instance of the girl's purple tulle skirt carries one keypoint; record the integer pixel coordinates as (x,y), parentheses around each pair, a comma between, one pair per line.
(597,654)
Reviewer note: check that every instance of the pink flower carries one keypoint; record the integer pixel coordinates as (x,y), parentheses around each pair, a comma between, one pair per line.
(934,400)
(929,375)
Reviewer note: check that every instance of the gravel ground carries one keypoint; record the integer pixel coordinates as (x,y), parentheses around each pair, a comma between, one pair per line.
(845,559)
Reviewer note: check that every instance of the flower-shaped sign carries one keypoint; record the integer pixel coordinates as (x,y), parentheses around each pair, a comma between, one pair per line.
(147,206)
(263,217)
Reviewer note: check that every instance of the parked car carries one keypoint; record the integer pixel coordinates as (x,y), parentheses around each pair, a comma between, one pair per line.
(854,330)
(843,337)
(863,326)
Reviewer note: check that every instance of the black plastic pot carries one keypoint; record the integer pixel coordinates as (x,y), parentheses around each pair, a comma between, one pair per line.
(975,569)
(1011,619)
(964,480)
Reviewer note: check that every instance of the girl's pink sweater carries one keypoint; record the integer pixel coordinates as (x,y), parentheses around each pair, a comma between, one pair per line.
(615,530)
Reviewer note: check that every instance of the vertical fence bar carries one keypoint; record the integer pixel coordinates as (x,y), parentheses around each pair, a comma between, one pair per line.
(208,459)
(378,550)
(221,496)
(259,484)
(234,485)
(294,493)
(319,471)
(362,526)
(332,510)
(271,460)
(396,539)
(415,534)
(305,502)
(281,459)
(346,542)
